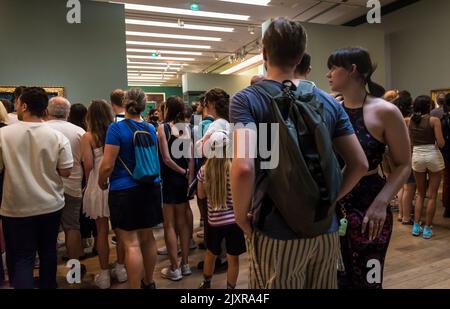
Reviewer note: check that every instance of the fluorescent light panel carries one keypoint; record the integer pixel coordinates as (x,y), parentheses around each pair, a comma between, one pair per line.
(166,10)
(152,23)
(173,36)
(252,2)
(146,74)
(160,58)
(149,78)
(169,52)
(134,84)
(244,65)
(168,45)
(159,63)
(151,68)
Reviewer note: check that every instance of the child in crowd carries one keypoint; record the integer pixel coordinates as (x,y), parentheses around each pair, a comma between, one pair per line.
(214,184)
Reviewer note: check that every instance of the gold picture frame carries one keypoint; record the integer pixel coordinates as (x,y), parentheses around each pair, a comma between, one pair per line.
(6,92)
(436,92)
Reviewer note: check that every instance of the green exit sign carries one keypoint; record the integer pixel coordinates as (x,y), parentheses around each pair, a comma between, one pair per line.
(195,7)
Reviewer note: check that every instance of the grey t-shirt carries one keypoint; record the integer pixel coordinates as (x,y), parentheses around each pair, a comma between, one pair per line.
(250,106)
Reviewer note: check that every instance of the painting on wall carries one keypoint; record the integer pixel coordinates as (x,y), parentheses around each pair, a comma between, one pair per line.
(7,92)
(436,92)
(156,98)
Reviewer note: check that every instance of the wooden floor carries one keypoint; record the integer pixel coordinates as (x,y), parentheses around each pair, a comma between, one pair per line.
(411,263)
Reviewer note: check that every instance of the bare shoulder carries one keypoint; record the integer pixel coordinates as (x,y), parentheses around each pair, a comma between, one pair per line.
(385,109)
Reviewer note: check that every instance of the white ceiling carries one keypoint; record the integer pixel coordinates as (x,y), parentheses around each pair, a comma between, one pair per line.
(216,59)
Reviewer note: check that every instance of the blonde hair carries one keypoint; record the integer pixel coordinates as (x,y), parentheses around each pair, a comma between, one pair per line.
(3,114)
(216,182)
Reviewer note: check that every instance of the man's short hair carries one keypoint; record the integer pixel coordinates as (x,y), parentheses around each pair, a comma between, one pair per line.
(59,107)
(36,100)
(17,93)
(304,66)
(284,43)
(117,97)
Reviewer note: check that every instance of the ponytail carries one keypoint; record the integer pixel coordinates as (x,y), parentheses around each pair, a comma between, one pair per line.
(375,89)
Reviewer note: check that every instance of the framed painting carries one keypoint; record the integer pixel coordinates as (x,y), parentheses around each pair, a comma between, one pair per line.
(156,98)
(7,92)
(436,92)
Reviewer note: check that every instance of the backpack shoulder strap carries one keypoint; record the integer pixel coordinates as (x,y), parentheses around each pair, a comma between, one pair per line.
(130,125)
(305,91)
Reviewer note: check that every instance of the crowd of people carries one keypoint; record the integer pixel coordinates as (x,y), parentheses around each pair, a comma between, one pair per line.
(86,171)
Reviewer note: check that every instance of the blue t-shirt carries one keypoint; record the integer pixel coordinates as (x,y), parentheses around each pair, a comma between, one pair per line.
(250,106)
(120,134)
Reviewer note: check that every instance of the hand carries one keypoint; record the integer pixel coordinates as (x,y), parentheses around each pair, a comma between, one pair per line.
(246,226)
(104,185)
(374,220)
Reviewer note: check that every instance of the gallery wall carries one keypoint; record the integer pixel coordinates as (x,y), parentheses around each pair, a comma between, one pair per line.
(418,46)
(39,47)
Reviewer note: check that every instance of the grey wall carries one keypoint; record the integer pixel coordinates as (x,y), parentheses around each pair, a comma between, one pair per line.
(202,82)
(418,46)
(40,48)
(324,39)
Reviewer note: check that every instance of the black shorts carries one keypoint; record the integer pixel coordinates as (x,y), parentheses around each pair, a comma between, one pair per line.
(175,189)
(136,208)
(233,235)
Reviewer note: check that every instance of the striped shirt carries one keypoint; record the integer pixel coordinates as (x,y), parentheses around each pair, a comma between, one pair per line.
(223,216)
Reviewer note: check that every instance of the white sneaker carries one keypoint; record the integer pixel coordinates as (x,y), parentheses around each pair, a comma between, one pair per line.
(185,270)
(174,275)
(120,273)
(103,279)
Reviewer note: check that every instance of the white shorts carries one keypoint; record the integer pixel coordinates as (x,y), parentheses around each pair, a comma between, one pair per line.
(427,158)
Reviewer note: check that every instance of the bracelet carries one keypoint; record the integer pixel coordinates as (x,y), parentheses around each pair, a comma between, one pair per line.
(187,172)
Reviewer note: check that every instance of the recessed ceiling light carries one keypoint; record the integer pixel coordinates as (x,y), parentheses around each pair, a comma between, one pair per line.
(245,64)
(178,25)
(252,2)
(160,58)
(173,36)
(166,10)
(170,52)
(168,45)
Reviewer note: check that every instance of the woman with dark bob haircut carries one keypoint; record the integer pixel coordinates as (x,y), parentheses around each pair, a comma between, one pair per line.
(378,124)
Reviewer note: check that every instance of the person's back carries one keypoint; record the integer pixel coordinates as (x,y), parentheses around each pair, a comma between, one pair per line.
(272,222)
(72,185)
(31,155)
(284,44)
(422,133)
(34,158)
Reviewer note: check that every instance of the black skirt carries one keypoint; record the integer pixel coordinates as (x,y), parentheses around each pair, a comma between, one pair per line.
(136,208)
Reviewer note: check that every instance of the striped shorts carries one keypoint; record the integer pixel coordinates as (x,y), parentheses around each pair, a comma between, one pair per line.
(293,264)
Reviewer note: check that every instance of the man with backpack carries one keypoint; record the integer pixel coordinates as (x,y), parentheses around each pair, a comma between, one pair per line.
(288,212)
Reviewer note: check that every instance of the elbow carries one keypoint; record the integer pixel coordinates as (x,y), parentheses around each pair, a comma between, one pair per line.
(243,171)
(363,167)
(441,144)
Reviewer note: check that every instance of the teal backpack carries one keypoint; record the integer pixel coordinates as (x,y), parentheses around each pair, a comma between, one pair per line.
(147,168)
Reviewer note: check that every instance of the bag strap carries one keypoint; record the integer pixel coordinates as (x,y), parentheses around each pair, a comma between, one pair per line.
(167,131)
